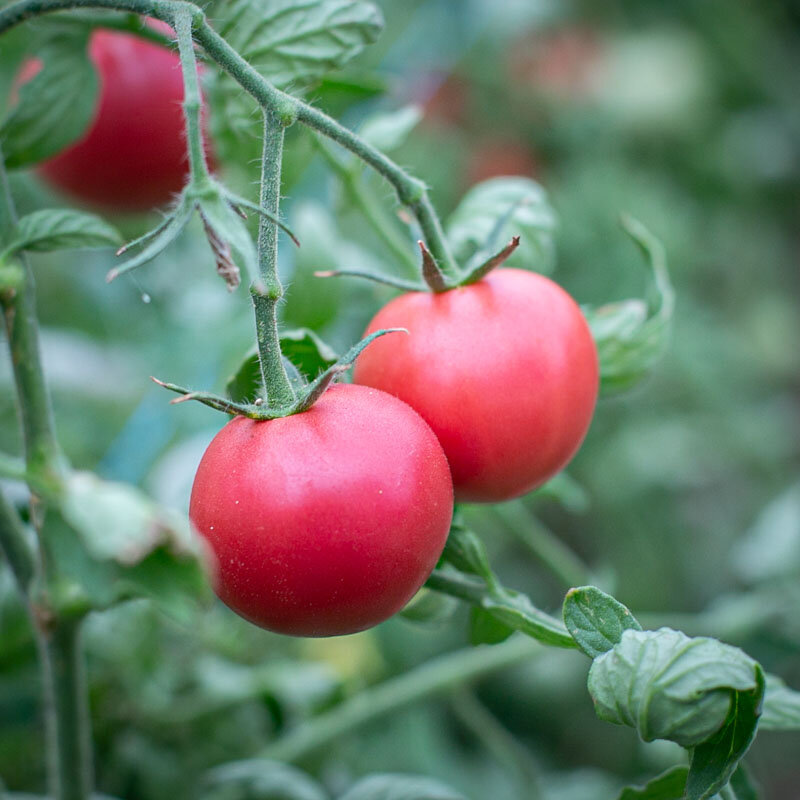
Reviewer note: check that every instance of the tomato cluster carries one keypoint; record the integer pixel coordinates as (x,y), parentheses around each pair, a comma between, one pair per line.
(327,522)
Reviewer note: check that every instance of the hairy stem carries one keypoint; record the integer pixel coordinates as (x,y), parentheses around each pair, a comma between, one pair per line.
(192,99)
(66,710)
(410,191)
(430,679)
(269,291)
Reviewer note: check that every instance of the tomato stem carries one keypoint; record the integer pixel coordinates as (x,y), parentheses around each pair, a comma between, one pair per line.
(66,712)
(19,312)
(192,100)
(67,719)
(268,293)
(411,191)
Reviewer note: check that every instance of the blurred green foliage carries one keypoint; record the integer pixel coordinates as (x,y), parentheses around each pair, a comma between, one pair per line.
(684,114)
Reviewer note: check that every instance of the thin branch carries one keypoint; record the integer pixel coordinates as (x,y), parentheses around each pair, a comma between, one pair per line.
(433,678)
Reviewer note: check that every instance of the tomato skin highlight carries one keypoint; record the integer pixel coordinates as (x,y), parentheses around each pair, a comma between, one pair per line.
(133,155)
(326,522)
(505,372)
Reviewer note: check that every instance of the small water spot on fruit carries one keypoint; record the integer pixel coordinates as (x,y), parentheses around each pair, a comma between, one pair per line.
(211,528)
(146,298)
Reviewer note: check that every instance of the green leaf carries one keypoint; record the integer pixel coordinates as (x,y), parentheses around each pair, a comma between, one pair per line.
(245,384)
(400,787)
(564,489)
(714,762)
(596,620)
(631,335)
(493,212)
(261,779)
(771,548)
(515,610)
(305,356)
(741,786)
(465,551)
(307,351)
(670,785)
(297,41)
(389,130)
(61,229)
(138,548)
(427,606)
(56,106)
(485,628)
(669,686)
(781,710)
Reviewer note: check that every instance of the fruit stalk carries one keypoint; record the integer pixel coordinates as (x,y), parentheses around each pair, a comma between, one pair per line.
(192,100)
(268,291)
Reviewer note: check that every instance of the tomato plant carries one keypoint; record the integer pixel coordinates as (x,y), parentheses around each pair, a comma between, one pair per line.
(504,370)
(325,522)
(318,507)
(132,157)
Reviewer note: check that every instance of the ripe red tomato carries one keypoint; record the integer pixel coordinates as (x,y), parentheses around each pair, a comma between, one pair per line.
(326,522)
(133,155)
(505,372)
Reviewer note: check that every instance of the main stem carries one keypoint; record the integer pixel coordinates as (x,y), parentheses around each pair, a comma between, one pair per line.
(66,702)
(42,453)
(67,714)
(268,292)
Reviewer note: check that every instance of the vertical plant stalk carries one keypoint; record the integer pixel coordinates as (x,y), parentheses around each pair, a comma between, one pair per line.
(42,453)
(69,748)
(69,761)
(268,291)
(192,99)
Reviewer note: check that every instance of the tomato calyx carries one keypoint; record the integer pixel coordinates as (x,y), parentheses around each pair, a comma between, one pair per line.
(307,393)
(222,213)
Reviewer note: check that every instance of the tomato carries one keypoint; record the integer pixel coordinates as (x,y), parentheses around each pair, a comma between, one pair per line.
(505,371)
(133,155)
(326,522)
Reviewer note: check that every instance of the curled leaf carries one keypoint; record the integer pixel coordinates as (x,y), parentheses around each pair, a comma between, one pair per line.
(631,335)
(667,685)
